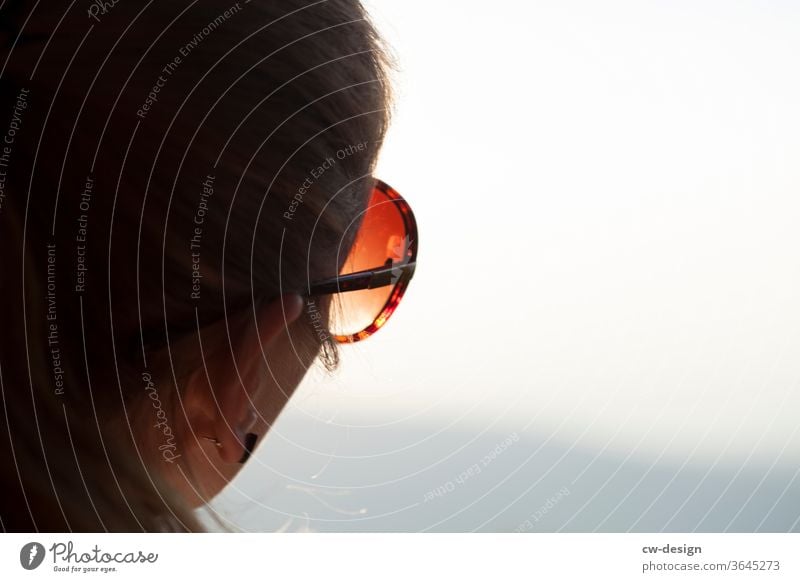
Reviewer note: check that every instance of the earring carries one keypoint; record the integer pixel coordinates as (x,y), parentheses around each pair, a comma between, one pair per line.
(212,440)
(249,445)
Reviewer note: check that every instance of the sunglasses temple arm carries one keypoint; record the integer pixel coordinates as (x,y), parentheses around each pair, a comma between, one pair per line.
(362,280)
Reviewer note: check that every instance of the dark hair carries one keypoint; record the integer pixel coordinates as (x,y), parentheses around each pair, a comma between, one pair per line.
(131,124)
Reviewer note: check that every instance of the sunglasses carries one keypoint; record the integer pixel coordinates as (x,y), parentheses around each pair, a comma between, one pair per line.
(376,272)
(372,279)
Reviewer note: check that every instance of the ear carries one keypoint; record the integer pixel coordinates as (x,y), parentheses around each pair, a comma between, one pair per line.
(219,394)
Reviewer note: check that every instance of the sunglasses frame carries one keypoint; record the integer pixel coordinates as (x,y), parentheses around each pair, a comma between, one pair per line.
(399,275)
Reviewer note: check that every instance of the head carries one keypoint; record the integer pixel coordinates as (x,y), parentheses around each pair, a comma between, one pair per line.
(177,178)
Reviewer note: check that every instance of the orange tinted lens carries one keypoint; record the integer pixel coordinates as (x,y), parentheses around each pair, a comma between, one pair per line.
(381,240)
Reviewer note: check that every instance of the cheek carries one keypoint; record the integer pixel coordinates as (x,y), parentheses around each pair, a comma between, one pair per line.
(285,366)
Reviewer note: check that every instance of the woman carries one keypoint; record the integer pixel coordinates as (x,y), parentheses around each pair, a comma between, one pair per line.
(185,188)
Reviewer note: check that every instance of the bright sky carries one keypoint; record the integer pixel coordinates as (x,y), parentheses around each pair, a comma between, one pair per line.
(607,195)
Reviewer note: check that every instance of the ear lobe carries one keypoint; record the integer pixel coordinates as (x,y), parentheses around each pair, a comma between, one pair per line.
(234,415)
